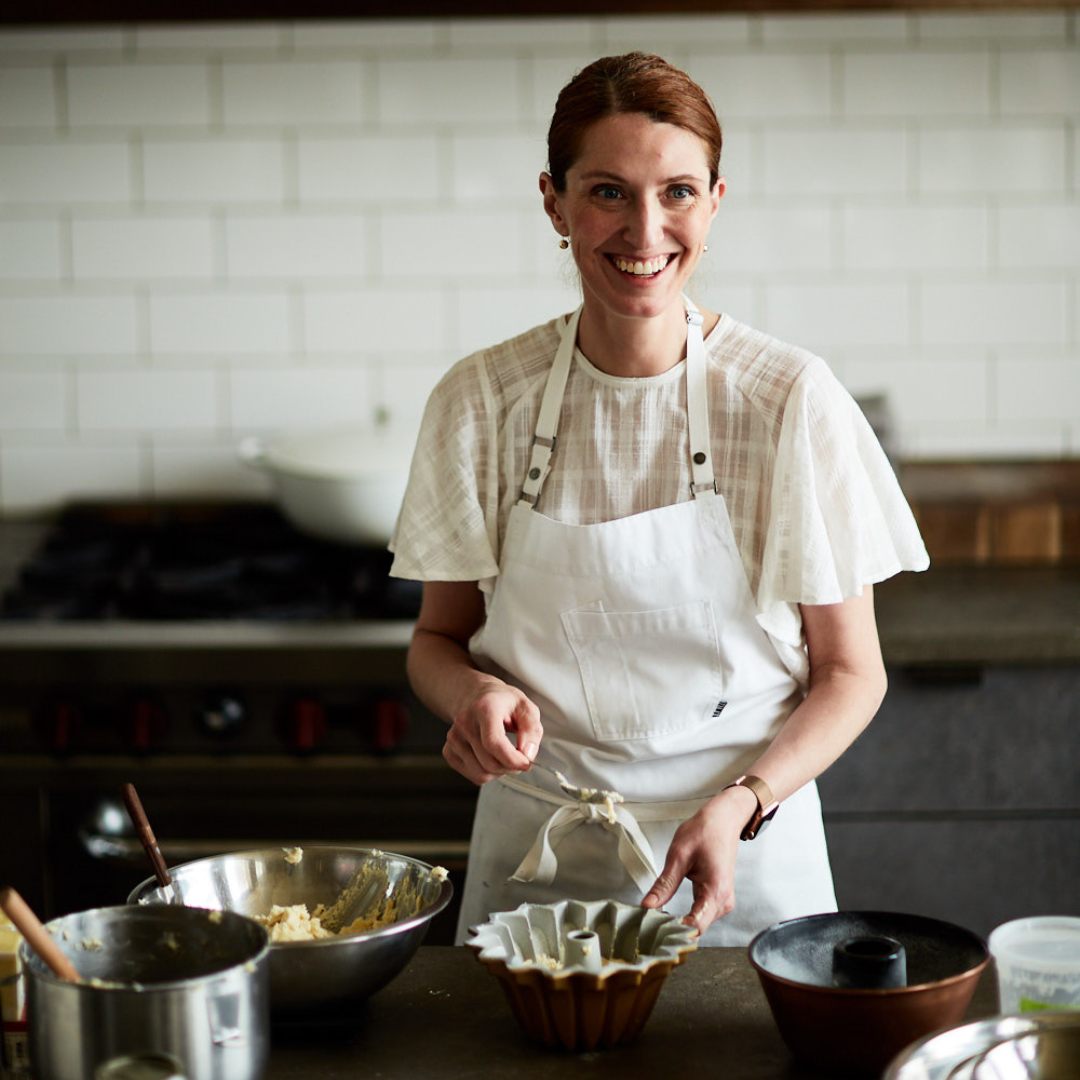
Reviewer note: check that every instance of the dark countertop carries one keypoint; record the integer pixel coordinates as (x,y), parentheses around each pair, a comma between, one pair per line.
(981,615)
(445,1018)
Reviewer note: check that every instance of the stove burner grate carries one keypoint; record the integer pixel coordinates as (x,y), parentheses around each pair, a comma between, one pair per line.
(178,562)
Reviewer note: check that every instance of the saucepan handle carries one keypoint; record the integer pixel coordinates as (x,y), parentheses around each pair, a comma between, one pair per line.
(227,1016)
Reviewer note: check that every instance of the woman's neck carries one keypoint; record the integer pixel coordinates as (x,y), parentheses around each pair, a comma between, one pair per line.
(635,347)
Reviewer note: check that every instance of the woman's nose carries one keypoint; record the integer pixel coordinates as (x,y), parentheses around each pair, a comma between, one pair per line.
(645,229)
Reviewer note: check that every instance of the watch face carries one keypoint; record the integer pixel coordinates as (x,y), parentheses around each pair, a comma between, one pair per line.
(763,794)
(759,822)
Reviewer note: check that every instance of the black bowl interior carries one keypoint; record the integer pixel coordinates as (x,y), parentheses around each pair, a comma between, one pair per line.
(801,950)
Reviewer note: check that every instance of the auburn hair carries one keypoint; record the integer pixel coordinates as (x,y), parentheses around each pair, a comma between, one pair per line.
(635,82)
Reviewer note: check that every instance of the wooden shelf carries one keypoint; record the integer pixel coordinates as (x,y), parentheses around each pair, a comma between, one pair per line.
(113,11)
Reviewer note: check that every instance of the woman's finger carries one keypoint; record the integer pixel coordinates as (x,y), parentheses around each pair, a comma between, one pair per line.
(526,722)
(466,764)
(665,886)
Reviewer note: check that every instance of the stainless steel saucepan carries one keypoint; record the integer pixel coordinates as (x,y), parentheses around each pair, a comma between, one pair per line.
(183,982)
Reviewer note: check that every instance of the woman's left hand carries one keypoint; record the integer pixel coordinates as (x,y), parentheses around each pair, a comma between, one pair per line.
(703,851)
(847,683)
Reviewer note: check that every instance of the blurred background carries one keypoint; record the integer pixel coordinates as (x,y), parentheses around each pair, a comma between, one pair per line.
(212,230)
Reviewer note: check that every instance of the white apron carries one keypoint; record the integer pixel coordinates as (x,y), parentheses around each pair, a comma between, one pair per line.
(637,640)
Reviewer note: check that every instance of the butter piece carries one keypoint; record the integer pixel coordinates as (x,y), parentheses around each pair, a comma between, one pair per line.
(13,996)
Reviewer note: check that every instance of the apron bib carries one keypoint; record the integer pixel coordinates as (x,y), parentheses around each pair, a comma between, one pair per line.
(638,641)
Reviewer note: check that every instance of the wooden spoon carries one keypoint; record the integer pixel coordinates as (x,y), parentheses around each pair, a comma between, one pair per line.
(146,834)
(37,937)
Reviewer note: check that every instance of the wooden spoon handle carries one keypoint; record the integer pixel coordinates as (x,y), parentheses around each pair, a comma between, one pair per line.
(146,834)
(37,937)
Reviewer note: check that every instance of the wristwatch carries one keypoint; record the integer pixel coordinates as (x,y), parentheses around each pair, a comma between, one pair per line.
(766,805)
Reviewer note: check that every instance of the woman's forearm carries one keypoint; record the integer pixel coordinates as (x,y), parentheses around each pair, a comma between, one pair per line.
(442,673)
(829,719)
(847,684)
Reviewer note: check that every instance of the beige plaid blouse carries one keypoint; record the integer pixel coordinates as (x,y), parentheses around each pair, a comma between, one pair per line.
(814,504)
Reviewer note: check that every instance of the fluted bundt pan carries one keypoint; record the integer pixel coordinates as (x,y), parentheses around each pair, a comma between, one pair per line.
(582,975)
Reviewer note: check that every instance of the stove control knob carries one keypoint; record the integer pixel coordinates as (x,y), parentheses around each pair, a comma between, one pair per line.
(306,725)
(144,724)
(222,715)
(61,724)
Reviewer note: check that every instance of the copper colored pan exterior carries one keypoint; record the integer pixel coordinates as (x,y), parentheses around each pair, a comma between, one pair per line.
(857,1032)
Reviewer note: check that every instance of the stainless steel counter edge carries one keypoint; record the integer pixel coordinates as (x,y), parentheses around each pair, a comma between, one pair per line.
(128,634)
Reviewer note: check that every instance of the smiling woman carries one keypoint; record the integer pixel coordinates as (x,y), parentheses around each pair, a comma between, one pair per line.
(647,536)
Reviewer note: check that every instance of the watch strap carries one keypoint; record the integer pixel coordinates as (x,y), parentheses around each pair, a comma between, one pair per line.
(766,807)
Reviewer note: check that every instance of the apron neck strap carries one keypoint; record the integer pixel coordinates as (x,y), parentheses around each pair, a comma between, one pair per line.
(702,479)
(697,403)
(543,444)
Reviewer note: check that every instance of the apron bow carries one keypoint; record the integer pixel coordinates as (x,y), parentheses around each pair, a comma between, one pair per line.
(635,852)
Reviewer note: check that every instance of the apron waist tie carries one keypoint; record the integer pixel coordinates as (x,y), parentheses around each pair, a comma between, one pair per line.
(635,851)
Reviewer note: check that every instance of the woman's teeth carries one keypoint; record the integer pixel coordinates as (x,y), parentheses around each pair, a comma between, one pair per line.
(639,268)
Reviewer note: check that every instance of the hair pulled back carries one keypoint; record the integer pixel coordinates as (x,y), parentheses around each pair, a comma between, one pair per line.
(635,82)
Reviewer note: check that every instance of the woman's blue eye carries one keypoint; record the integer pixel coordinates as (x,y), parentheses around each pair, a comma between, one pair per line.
(682,192)
(608,192)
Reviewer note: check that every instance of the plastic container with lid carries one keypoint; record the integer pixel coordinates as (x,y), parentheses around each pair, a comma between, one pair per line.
(1038,963)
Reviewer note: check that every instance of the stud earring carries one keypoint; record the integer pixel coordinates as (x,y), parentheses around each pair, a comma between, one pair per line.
(705,248)
(564,243)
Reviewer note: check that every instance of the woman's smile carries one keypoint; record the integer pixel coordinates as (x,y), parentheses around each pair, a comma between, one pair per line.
(638,267)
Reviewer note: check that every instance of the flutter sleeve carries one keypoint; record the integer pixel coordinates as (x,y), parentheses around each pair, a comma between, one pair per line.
(446,527)
(838,519)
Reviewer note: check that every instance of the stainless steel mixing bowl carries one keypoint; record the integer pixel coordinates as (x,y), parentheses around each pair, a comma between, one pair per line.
(321,975)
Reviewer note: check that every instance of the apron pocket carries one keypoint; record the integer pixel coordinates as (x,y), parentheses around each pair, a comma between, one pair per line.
(647,673)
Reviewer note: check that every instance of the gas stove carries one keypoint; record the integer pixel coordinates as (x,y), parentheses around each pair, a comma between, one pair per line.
(182,563)
(249,679)
(202,628)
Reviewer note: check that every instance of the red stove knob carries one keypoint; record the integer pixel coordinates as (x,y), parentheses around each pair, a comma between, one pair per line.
(144,724)
(306,725)
(390,722)
(61,724)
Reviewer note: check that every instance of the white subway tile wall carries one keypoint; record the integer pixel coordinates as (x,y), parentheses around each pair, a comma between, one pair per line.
(210,231)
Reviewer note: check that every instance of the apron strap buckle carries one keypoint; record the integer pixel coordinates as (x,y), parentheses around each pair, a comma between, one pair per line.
(542,448)
(703,489)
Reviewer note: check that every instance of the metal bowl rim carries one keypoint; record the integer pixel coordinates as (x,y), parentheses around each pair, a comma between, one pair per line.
(1024,1023)
(108,986)
(433,909)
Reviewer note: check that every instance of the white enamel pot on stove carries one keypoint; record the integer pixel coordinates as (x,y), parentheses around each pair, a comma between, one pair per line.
(339,484)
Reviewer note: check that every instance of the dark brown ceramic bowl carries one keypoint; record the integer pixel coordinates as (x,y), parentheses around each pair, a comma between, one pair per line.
(854,1031)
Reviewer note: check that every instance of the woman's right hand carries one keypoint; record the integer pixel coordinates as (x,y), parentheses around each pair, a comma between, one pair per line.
(478,744)
(481,709)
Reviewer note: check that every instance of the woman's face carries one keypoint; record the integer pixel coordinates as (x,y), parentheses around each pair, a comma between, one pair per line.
(637,208)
